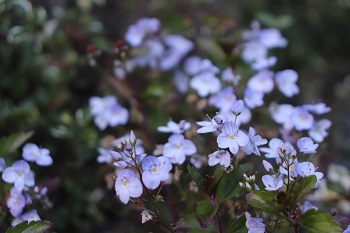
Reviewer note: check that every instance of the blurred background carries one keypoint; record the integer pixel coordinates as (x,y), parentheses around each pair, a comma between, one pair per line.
(47,78)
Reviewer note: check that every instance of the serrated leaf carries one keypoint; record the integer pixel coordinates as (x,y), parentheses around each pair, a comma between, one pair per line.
(196,176)
(266,201)
(238,226)
(13,142)
(317,221)
(229,183)
(190,224)
(32,227)
(300,188)
(205,213)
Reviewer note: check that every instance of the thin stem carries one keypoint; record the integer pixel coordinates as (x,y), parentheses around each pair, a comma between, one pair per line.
(292,223)
(168,229)
(288,183)
(217,217)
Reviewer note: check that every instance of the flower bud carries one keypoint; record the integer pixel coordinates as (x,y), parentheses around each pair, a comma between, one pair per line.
(237,107)
(278,161)
(248,187)
(268,167)
(132,138)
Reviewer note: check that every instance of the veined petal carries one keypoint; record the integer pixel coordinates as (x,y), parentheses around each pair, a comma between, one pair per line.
(168,150)
(213,160)
(44,160)
(21,165)
(29,179)
(230,128)
(233,147)
(180,158)
(258,140)
(241,138)
(135,188)
(123,194)
(165,163)
(223,141)
(151,180)
(176,139)
(318,175)
(148,162)
(188,147)
(19,184)
(9,175)
(207,129)
(204,123)
(275,143)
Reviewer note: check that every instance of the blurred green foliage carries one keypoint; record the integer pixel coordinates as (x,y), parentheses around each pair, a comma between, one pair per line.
(46,81)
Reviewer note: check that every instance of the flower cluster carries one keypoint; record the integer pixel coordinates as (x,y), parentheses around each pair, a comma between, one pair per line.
(151,48)
(136,171)
(235,103)
(231,136)
(301,118)
(108,112)
(287,160)
(24,190)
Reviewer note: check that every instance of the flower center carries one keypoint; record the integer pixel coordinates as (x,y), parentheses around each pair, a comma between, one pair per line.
(154,168)
(125,182)
(232,137)
(178,146)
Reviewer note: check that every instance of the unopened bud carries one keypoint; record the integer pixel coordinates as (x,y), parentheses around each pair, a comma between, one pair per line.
(129,148)
(218,120)
(123,141)
(245,177)
(252,178)
(237,107)
(248,186)
(182,124)
(268,167)
(278,161)
(132,138)
(293,174)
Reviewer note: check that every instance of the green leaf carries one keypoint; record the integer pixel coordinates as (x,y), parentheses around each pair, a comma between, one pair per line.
(300,188)
(317,221)
(238,226)
(266,201)
(190,224)
(212,48)
(13,142)
(229,183)
(32,227)
(196,176)
(280,22)
(205,213)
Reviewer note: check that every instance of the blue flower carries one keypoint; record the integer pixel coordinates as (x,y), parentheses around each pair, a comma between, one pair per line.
(231,137)
(178,147)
